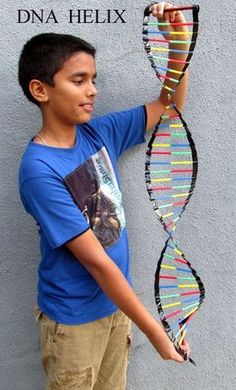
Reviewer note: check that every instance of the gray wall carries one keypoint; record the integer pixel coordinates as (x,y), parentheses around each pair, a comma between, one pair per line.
(207,230)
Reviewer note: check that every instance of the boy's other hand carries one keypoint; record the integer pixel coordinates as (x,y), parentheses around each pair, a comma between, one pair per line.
(157,10)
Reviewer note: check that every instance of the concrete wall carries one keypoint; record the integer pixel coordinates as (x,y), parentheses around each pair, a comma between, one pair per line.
(207,230)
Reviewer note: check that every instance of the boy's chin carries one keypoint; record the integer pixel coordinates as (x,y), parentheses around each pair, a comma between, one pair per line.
(84,118)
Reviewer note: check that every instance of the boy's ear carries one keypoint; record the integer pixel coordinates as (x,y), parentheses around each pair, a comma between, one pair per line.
(38,90)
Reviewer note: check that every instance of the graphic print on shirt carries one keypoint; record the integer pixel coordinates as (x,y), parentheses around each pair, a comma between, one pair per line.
(94,188)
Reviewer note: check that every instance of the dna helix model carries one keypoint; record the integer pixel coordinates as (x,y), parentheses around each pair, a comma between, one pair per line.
(171,168)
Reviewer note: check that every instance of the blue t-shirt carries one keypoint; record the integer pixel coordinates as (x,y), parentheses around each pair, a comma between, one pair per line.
(68,191)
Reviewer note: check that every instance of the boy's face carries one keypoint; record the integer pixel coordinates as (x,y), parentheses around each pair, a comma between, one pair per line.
(72,98)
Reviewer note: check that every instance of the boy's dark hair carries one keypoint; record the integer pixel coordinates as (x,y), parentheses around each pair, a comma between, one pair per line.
(44,55)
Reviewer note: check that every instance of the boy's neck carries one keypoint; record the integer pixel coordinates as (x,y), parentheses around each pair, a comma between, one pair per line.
(57,135)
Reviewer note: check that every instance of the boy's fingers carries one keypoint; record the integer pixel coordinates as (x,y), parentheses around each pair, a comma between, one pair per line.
(186,349)
(167,15)
(172,16)
(158,10)
(184,342)
(178,358)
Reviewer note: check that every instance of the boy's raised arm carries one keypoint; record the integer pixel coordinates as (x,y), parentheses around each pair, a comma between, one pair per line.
(156,108)
(88,250)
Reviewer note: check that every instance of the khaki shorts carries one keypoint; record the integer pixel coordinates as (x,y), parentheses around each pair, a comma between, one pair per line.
(85,357)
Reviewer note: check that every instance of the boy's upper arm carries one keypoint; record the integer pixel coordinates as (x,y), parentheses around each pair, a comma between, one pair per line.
(121,130)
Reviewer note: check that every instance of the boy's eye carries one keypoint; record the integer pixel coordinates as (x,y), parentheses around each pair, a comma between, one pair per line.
(81,81)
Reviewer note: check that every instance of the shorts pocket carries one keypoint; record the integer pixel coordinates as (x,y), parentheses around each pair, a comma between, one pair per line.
(37,313)
(73,379)
(129,346)
(129,341)
(49,327)
(58,332)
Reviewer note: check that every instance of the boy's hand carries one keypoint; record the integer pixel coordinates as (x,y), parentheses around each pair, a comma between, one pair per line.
(157,10)
(165,348)
(185,347)
(167,351)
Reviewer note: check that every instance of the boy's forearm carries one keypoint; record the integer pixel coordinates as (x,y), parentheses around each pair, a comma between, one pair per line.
(156,108)
(90,253)
(113,283)
(116,287)
(181,90)
(88,250)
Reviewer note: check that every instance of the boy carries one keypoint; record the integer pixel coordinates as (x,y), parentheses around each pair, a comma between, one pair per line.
(69,183)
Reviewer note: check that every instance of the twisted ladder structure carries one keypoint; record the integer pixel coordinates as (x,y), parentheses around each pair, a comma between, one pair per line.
(170,173)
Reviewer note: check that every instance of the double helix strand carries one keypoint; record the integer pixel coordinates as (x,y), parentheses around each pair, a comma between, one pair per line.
(170,173)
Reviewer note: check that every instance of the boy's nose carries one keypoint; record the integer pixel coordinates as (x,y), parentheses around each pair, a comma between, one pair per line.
(92,90)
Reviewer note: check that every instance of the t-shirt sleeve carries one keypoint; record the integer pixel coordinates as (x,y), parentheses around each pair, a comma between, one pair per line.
(122,130)
(49,202)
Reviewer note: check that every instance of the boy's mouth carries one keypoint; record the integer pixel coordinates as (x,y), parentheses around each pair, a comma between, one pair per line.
(88,107)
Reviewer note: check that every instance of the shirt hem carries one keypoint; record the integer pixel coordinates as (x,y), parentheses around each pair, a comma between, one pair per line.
(78,320)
